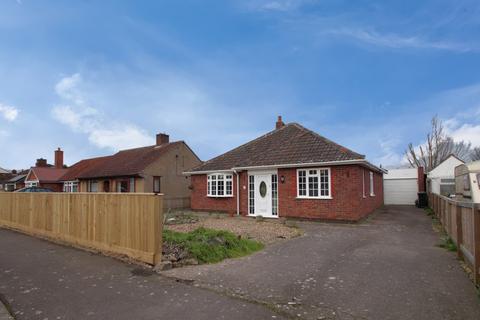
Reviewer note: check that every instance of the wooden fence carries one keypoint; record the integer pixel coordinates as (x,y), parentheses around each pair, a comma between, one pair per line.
(123,223)
(461,221)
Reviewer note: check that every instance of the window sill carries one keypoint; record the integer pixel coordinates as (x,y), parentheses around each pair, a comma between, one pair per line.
(219,196)
(314,198)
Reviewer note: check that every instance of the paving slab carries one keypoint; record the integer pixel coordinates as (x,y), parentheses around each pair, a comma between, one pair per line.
(388,267)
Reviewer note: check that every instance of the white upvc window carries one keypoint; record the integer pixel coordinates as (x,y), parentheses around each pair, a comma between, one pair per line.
(30,184)
(220,185)
(70,186)
(314,183)
(372,189)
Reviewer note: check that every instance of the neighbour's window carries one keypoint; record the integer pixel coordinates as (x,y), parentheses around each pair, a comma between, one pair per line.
(93,186)
(70,186)
(220,185)
(106,186)
(466,183)
(122,186)
(478,179)
(31,184)
(132,184)
(313,183)
(156,184)
(372,189)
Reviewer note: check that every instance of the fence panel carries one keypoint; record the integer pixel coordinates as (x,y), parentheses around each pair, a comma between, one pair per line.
(129,224)
(461,221)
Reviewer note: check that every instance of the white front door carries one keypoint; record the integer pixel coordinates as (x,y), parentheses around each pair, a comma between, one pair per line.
(262,194)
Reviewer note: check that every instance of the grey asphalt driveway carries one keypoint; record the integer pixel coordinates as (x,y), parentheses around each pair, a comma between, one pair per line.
(43,281)
(386,268)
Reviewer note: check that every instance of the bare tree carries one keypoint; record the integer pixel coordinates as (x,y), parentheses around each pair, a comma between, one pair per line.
(475,155)
(438,147)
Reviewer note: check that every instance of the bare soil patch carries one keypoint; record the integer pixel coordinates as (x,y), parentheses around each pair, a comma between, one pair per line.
(266,231)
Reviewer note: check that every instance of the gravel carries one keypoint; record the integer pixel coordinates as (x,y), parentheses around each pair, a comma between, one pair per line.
(262,230)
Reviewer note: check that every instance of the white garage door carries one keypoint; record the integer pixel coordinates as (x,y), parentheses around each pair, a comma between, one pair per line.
(400,191)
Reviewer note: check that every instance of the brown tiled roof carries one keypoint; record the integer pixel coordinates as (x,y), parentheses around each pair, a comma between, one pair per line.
(123,163)
(291,144)
(83,165)
(48,174)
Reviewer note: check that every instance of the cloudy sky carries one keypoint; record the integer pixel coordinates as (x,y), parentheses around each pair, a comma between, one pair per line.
(93,77)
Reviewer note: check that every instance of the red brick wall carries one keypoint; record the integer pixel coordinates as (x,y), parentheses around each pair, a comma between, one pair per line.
(347,201)
(200,200)
(56,187)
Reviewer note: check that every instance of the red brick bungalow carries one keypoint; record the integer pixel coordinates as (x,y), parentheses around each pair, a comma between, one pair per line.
(289,172)
(46,175)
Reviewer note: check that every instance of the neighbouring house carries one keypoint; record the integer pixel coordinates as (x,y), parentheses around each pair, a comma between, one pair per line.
(153,169)
(5,175)
(441,179)
(46,175)
(289,172)
(15,183)
(402,185)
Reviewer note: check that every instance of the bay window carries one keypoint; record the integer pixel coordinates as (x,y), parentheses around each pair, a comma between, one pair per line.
(314,183)
(220,185)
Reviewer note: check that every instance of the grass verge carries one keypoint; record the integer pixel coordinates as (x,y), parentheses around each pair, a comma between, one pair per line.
(210,246)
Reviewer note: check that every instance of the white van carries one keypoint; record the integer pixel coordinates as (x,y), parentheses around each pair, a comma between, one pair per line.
(467,182)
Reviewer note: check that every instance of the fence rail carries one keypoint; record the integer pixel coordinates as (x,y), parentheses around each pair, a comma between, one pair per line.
(461,221)
(126,223)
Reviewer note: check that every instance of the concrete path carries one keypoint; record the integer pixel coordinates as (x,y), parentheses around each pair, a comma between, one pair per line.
(386,268)
(41,280)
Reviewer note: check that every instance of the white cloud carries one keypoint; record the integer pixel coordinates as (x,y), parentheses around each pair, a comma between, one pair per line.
(468,132)
(8,112)
(396,41)
(102,132)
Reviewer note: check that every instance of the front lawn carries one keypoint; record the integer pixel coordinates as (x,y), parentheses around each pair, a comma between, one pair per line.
(210,246)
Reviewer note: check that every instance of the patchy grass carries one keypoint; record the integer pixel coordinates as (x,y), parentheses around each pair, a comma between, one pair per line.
(210,246)
(429,212)
(447,243)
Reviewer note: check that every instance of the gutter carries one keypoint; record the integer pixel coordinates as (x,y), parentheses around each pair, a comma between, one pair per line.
(238,192)
(296,165)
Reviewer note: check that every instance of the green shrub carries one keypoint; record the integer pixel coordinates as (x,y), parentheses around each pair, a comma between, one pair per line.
(210,246)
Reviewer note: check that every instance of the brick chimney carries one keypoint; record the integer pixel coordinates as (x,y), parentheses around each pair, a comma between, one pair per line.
(279,123)
(59,158)
(162,138)
(41,162)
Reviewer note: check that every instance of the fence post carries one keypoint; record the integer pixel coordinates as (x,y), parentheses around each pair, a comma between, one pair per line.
(158,229)
(458,217)
(476,236)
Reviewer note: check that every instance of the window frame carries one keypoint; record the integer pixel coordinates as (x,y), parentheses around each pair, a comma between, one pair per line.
(372,185)
(226,184)
(159,179)
(31,184)
(319,182)
(70,186)
(363,184)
